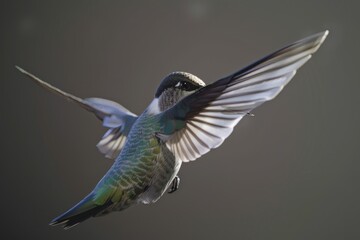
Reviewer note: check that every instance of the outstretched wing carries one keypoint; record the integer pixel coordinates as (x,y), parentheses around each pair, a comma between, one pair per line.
(118,119)
(211,113)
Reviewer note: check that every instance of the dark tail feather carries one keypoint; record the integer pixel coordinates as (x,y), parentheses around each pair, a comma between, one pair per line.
(85,209)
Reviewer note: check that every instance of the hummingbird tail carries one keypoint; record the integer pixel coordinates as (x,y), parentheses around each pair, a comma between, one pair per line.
(85,209)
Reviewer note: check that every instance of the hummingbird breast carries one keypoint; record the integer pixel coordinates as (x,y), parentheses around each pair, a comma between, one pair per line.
(164,171)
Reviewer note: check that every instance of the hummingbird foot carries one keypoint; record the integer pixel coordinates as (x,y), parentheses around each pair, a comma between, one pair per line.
(174,185)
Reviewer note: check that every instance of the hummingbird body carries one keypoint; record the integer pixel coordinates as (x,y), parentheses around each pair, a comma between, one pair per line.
(140,174)
(185,120)
(145,167)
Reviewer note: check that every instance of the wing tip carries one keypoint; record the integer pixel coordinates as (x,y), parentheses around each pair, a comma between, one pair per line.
(322,36)
(326,32)
(21,69)
(317,39)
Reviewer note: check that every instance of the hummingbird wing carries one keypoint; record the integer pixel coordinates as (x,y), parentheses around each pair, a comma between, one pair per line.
(211,113)
(118,119)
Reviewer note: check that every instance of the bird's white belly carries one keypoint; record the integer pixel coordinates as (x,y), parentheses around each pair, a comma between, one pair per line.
(159,186)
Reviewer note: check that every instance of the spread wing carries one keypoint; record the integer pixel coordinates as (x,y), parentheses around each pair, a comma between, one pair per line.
(211,113)
(118,119)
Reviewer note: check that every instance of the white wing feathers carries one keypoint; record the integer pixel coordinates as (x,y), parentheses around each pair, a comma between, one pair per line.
(118,119)
(218,107)
(114,116)
(111,143)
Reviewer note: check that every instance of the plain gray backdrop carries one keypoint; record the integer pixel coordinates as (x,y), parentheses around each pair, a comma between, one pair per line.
(290,172)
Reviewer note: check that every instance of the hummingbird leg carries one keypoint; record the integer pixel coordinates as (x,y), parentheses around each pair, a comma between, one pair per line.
(174,185)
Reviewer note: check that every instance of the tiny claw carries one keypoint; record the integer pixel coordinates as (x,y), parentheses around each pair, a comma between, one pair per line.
(174,185)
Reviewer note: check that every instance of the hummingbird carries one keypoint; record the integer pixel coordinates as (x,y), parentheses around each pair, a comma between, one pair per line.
(185,120)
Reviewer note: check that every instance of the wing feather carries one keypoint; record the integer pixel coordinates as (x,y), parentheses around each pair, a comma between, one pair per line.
(114,116)
(212,112)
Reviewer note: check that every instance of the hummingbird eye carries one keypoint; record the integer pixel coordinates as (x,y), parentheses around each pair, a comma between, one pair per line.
(186,86)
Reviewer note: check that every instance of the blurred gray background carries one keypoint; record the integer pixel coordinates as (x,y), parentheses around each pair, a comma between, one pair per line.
(290,172)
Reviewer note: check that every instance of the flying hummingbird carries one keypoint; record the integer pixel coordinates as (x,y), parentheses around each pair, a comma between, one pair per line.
(185,120)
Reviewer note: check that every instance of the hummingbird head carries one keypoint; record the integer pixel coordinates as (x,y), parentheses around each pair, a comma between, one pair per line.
(176,86)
